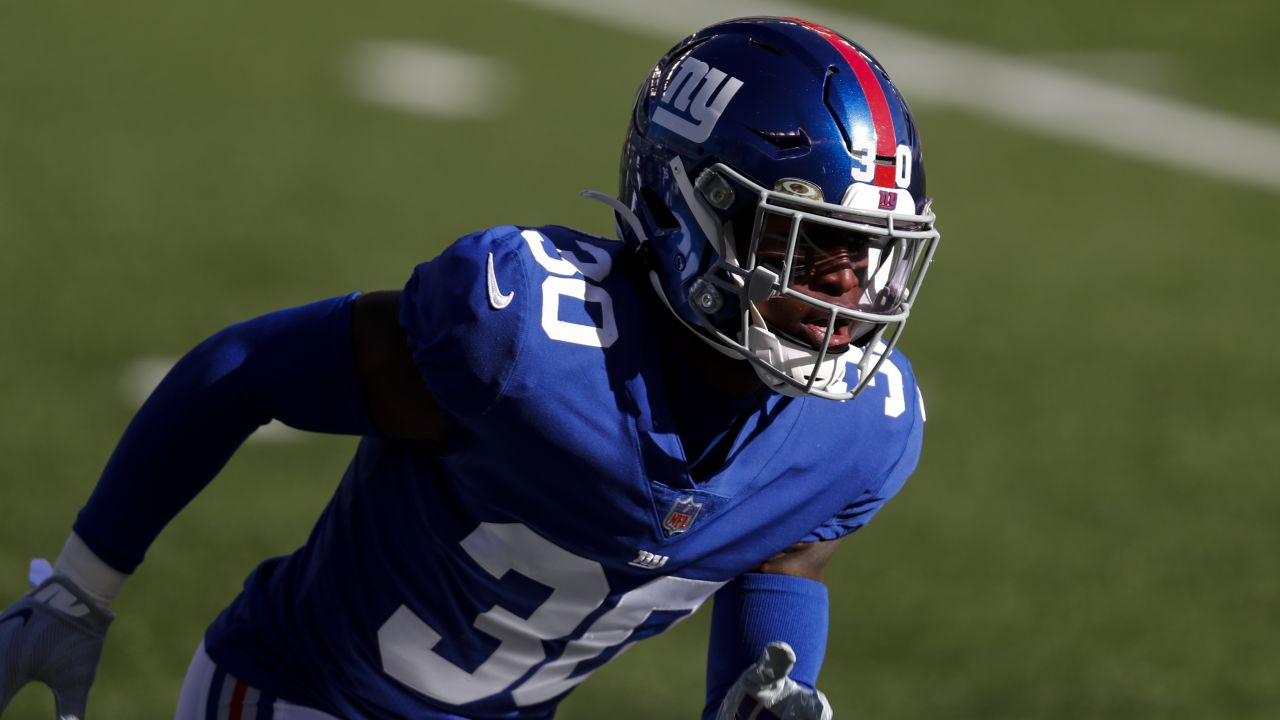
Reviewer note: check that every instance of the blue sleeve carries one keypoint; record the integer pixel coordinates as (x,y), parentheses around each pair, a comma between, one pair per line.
(464,345)
(755,610)
(296,365)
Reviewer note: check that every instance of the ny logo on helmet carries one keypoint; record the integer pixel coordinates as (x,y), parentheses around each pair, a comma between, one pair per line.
(698,112)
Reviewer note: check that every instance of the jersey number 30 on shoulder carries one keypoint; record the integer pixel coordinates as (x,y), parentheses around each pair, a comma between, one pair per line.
(568,278)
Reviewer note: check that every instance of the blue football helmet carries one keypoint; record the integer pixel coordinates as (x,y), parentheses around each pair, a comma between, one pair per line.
(753,145)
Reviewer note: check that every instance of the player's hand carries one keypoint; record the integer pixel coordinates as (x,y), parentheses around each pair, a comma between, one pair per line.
(52,635)
(766,685)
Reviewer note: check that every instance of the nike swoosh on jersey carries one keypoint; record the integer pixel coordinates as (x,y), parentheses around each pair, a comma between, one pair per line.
(497,299)
(24,613)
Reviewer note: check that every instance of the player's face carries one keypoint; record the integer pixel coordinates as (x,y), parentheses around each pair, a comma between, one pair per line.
(829,264)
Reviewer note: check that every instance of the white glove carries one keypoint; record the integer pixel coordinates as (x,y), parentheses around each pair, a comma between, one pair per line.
(764,692)
(53,635)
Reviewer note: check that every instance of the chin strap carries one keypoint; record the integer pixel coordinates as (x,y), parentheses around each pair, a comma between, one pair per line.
(798,361)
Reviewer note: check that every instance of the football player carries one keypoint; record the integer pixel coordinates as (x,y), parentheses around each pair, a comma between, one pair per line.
(569,442)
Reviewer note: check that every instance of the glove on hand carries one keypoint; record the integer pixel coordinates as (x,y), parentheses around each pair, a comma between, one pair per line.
(53,635)
(764,692)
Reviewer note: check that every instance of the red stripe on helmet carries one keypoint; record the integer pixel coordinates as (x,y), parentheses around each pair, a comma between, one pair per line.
(886,139)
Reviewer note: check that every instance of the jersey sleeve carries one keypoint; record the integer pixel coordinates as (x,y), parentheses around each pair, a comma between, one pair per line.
(463,313)
(861,510)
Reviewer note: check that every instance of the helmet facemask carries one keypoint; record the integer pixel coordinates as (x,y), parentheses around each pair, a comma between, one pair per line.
(791,238)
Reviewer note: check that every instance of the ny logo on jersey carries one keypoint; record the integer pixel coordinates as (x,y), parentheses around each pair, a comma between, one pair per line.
(698,113)
(649,561)
(681,515)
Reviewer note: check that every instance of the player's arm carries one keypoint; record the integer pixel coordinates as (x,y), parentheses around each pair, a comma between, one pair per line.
(337,366)
(783,600)
(804,560)
(303,366)
(399,402)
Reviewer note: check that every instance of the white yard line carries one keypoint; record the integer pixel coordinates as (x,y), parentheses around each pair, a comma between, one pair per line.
(424,79)
(143,375)
(1017,91)
(1158,72)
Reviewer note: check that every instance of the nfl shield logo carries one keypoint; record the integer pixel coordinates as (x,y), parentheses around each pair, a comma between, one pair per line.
(682,514)
(888,199)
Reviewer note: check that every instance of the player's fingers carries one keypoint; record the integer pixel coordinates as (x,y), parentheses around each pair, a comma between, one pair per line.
(71,702)
(776,661)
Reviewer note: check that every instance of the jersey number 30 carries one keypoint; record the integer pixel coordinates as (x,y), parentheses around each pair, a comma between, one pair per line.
(579,589)
(563,281)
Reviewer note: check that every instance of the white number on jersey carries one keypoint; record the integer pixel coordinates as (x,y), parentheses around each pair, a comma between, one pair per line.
(895,400)
(578,588)
(613,629)
(568,279)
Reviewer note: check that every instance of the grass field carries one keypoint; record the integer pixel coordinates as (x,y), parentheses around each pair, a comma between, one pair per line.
(1092,531)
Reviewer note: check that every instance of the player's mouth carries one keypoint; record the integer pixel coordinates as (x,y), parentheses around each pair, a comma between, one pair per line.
(812,331)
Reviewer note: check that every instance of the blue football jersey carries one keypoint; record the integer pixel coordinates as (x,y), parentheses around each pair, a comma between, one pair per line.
(560,523)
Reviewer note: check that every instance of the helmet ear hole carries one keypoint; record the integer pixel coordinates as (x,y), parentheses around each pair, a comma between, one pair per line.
(658,209)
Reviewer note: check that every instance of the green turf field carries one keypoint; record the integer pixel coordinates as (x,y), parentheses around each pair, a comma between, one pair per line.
(1092,531)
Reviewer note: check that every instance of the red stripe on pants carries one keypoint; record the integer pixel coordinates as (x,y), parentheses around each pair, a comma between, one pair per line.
(237,701)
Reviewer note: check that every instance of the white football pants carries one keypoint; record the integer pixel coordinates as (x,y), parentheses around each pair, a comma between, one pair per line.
(209,693)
